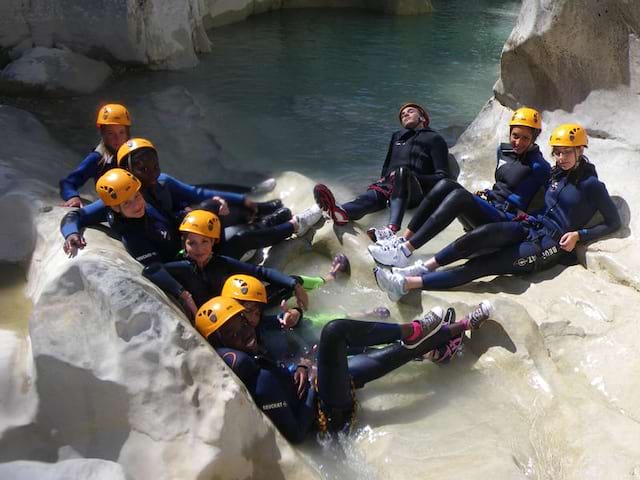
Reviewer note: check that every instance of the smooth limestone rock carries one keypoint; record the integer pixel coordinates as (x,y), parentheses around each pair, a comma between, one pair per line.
(84,469)
(122,376)
(53,72)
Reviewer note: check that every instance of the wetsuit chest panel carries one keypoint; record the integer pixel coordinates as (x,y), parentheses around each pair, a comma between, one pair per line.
(510,172)
(149,238)
(570,206)
(412,149)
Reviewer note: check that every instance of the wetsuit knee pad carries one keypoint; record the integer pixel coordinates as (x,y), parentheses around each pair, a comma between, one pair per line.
(333,330)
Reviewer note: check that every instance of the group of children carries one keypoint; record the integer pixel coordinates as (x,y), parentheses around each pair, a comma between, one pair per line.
(192,240)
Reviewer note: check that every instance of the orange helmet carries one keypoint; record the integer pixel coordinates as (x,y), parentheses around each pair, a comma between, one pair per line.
(113,114)
(526,117)
(569,135)
(244,287)
(203,223)
(131,146)
(216,312)
(117,186)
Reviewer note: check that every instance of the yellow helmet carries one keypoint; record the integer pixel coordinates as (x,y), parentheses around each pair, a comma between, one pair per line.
(203,223)
(244,287)
(420,108)
(526,117)
(113,114)
(569,135)
(131,146)
(117,186)
(216,312)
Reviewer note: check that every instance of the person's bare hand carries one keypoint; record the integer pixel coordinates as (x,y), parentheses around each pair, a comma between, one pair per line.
(302,298)
(189,304)
(224,208)
(73,243)
(290,318)
(73,202)
(568,241)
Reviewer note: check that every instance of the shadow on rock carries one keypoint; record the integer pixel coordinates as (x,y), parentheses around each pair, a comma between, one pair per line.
(92,420)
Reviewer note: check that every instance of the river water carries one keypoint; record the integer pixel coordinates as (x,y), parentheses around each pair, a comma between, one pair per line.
(317,91)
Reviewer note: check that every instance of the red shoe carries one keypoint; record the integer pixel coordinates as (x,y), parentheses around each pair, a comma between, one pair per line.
(327,203)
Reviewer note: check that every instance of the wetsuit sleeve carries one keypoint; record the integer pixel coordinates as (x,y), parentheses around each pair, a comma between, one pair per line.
(71,183)
(263,273)
(159,274)
(528,187)
(188,194)
(598,191)
(440,158)
(76,220)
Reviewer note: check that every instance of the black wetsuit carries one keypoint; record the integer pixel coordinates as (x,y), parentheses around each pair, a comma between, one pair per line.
(415,162)
(174,277)
(571,200)
(91,167)
(518,180)
(272,387)
(148,239)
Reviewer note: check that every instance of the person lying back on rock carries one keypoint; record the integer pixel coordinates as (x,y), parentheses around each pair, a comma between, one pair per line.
(170,200)
(326,402)
(530,243)
(167,194)
(173,197)
(146,233)
(200,271)
(417,159)
(114,123)
(521,173)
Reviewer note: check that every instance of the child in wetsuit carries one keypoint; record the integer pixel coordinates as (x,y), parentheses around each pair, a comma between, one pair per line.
(297,406)
(114,123)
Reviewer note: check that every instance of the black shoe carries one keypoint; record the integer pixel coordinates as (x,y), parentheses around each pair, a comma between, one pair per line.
(276,218)
(265,208)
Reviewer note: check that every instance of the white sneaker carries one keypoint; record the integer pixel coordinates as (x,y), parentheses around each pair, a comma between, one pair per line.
(308,218)
(389,255)
(390,283)
(381,235)
(481,313)
(415,270)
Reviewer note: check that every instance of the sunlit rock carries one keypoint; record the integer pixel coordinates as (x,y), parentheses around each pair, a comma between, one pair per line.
(55,72)
(85,469)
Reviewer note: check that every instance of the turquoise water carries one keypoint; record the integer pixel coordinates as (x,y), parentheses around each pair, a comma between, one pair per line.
(317,91)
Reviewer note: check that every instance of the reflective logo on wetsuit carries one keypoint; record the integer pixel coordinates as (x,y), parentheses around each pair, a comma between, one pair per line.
(548,252)
(273,406)
(523,261)
(529,259)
